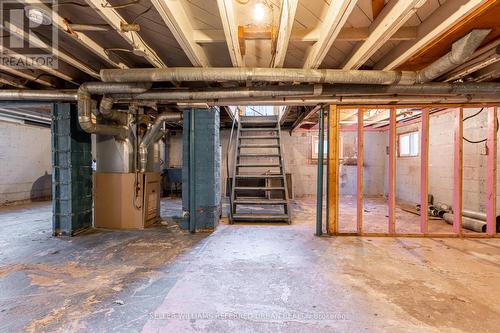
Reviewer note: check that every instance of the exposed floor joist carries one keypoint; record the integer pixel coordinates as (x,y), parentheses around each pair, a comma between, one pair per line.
(482,58)
(230,31)
(114,19)
(390,20)
(79,37)
(443,19)
(11,81)
(176,19)
(29,77)
(335,18)
(21,58)
(35,41)
(287,17)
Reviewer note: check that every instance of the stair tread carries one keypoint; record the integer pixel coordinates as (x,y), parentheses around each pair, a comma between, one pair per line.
(260,217)
(260,155)
(247,201)
(258,188)
(259,176)
(262,165)
(260,137)
(258,145)
(259,129)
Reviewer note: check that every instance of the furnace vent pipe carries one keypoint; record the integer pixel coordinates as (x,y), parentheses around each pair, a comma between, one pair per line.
(291,75)
(85,106)
(152,136)
(314,90)
(460,52)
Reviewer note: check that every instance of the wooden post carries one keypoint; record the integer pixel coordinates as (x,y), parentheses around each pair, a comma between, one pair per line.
(424,172)
(392,172)
(333,170)
(491,181)
(457,171)
(359,202)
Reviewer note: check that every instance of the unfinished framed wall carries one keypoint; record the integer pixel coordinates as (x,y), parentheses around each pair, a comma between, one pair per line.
(456,125)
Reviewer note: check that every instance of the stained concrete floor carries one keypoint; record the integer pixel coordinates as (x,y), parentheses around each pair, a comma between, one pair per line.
(241,278)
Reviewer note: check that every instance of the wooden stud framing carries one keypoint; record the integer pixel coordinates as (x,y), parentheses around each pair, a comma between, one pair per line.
(333,170)
(424,172)
(359,202)
(392,173)
(491,180)
(458,171)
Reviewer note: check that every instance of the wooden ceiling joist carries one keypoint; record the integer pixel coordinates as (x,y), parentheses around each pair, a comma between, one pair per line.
(177,21)
(27,76)
(11,81)
(390,20)
(287,17)
(80,37)
(115,20)
(37,42)
(27,62)
(230,31)
(440,22)
(335,18)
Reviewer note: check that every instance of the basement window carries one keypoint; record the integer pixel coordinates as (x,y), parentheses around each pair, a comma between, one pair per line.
(409,144)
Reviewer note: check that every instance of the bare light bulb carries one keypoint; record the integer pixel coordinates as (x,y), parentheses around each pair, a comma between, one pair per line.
(259,11)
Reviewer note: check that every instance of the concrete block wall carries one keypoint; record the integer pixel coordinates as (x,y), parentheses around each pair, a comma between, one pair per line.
(25,163)
(441,157)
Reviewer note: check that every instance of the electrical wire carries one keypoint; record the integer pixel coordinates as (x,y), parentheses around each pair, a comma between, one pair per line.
(472,116)
(124,5)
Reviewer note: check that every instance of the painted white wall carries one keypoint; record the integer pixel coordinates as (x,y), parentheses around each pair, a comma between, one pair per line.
(441,156)
(25,157)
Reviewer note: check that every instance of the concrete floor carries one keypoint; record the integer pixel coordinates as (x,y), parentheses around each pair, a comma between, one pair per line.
(241,278)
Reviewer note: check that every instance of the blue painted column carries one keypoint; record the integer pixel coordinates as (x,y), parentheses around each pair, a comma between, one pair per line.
(71,173)
(201,192)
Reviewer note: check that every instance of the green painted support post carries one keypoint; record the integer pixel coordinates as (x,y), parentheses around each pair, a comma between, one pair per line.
(71,172)
(319,185)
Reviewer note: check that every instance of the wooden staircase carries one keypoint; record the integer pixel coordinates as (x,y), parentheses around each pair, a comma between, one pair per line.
(259,162)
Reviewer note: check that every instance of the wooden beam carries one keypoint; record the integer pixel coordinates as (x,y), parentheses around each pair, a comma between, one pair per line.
(392,17)
(37,42)
(359,201)
(335,18)
(177,21)
(287,17)
(443,19)
(391,203)
(230,31)
(27,76)
(458,171)
(333,170)
(80,37)
(491,166)
(424,171)
(115,20)
(11,81)
(23,59)
(306,114)
(346,34)
(482,58)
(489,73)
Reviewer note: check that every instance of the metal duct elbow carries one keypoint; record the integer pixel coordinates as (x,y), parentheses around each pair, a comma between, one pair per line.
(84,101)
(460,52)
(152,135)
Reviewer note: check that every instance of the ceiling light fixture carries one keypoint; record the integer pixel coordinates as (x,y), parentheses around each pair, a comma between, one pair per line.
(259,11)
(38,15)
